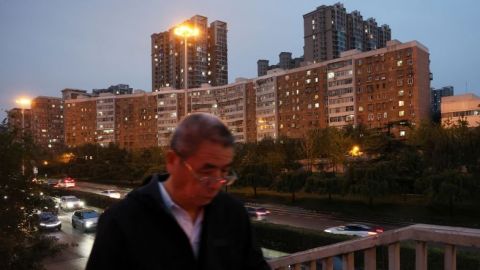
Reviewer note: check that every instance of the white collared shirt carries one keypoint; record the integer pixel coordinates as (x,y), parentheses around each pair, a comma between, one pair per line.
(191,228)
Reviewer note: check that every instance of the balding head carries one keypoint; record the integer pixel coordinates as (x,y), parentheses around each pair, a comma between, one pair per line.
(197,128)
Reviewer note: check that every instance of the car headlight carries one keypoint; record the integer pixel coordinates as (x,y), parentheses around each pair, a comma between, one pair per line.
(82,204)
(69,204)
(88,224)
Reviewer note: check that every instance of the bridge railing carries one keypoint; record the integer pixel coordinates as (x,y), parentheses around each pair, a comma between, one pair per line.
(423,235)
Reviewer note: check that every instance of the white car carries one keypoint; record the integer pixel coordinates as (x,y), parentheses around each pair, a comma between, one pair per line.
(70,203)
(85,219)
(356,229)
(111,193)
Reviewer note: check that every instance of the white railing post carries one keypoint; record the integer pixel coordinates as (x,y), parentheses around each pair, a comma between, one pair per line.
(394,256)
(348,261)
(327,263)
(450,257)
(421,256)
(370,258)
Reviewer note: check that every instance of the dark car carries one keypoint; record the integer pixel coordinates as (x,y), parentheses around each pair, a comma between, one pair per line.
(49,221)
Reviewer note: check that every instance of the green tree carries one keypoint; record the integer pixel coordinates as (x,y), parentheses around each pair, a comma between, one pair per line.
(21,245)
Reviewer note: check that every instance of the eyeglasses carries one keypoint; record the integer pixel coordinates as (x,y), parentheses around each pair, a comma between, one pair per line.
(229,178)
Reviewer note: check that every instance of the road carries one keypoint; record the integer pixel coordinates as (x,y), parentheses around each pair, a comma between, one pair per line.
(76,255)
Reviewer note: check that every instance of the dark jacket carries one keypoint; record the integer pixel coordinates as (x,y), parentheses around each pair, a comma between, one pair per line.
(139,233)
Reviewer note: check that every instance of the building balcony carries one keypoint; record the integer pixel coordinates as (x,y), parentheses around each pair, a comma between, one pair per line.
(448,238)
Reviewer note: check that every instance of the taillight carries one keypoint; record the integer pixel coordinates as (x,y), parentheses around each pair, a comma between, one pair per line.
(379,230)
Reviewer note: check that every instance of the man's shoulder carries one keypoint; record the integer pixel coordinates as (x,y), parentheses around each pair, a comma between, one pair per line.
(225,200)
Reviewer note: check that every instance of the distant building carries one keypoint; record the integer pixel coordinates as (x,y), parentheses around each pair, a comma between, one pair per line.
(330,30)
(119,89)
(437,95)
(127,120)
(71,93)
(43,121)
(20,120)
(47,122)
(285,62)
(207,56)
(461,108)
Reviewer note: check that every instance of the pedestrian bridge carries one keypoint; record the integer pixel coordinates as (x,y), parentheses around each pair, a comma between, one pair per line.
(422,235)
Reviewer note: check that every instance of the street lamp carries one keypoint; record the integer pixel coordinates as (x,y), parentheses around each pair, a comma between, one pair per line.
(24,103)
(186,31)
(355,151)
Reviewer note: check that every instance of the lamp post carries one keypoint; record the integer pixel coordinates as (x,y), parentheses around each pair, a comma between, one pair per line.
(186,31)
(24,103)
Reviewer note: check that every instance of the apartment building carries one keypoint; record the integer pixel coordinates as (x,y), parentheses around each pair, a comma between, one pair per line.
(206,55)
(387,89)
(229,102)
(47,122)
(43,121)
(330,30)
(126,120)
(464,107)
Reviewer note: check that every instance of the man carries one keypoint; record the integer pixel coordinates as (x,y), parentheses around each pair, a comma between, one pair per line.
(182,220)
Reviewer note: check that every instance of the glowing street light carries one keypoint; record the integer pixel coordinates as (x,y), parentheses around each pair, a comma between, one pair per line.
(186,32)
(355,151)
(24,103)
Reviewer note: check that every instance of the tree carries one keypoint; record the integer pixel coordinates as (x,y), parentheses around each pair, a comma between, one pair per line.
(21,245)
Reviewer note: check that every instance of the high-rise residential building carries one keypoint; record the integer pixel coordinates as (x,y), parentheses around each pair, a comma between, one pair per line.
(43,121)
(47,122)
(119,89)
(206,55)
(285,61)
(437,95)
(330,30)
(20,120)
(464,107)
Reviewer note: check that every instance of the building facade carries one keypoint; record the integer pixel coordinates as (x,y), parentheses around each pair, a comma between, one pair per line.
(206,55)
(437,95)
(330,30)
(461,108)
(47,122)
(285,62)
(126,120)
(387,90)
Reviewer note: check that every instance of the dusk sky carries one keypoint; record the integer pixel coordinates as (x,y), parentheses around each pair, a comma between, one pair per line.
(48,45)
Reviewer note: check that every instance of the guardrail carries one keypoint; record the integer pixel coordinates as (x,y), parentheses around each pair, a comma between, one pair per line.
(422,234)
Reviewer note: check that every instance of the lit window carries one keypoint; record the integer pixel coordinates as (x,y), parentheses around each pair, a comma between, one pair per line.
(308,81)
(309,72)
(403,133)
(313,37)
(316,79)
(317,105)
(360,108)
(401,113)
(316,96)
(298,91)
(331,75)
(399,63)
(385,115)
(400,93)
(287,93)
(401,103)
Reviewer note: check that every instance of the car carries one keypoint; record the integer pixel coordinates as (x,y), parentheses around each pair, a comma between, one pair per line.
(49,221)
(71,203)
(257,212)
(52,182)
(111,193)
(355,229)
(66,183)
(85,220)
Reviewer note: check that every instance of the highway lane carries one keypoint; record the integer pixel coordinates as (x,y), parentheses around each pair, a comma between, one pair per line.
(80,244)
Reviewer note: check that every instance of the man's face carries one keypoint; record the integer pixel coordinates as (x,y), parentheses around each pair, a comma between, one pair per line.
(211,159)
